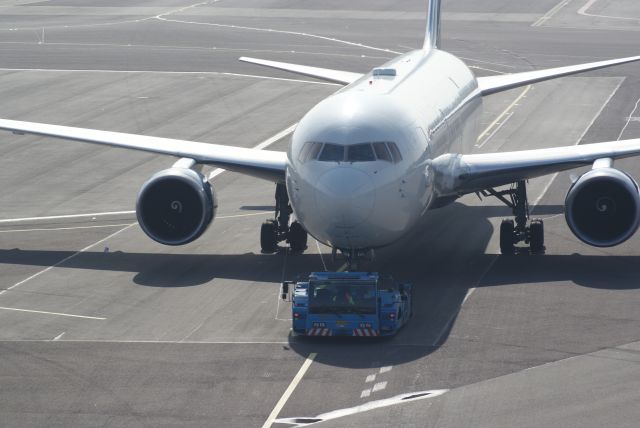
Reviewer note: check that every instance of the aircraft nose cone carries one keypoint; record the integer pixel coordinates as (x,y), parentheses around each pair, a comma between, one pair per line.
(345,196)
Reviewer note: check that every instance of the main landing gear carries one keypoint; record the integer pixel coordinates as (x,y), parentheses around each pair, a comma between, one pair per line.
(277,230)
(512,232)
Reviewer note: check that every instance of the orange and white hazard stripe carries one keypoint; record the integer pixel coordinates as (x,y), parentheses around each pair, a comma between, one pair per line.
(365,332)
(319,332)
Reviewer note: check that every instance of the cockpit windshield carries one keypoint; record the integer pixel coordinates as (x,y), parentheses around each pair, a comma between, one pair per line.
(363,152)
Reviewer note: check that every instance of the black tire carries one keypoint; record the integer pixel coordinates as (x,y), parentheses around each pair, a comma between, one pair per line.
(506,237)
(297,237)
(536,233)
(268,237)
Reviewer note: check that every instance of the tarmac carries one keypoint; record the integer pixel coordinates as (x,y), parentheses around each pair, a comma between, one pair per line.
(103,327)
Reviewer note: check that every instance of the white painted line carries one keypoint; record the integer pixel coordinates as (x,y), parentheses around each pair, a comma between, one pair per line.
(52,313)
(365,393)
(287,393)
(211,73)
(630,119)
(385,369)
(554,176)
(495,131)
(58,337)
(69,216)
(63,228)
(72,216)
(547,16)
(271,30)
(379,386)
(66,259)
(370,378)
(505,112)
(324,265)
(280,135)
(590,3)
(402,398)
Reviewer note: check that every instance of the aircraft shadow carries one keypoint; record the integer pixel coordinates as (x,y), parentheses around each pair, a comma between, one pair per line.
(442,262)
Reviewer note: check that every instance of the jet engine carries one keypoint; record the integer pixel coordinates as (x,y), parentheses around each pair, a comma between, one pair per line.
(602,207)
(175,206)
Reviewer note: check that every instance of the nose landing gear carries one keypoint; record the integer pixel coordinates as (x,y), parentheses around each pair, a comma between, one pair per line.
(512,232)
(278,229)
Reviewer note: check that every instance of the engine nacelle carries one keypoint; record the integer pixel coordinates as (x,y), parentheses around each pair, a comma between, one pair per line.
(602,207)
(175,206)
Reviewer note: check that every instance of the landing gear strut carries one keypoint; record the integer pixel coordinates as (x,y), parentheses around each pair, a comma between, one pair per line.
(278,229)
(512,232)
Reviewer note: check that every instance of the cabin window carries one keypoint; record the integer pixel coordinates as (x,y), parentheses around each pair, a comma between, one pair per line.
(360,153)
(332,153)
(382,152)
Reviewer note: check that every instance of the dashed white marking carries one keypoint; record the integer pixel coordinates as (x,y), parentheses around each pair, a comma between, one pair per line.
(365,393)
(385,369)
(58,337)
(287,393)
(547,16)
(60,314)
(379,386)
(370,378)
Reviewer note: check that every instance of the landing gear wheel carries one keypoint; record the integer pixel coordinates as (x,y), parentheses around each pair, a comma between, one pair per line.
(536,232)
(506,237)
(269,236)
(297,237)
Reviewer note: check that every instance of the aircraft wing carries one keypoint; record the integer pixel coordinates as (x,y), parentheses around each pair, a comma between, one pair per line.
(334,76)
(492,84)
(265,164)
(461,174)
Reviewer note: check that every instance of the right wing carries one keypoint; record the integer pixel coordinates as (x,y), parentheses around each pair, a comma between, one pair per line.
(265,164)
(334,76)
(462,174)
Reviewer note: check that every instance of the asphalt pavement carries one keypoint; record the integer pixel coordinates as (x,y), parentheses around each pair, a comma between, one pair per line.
(103,327)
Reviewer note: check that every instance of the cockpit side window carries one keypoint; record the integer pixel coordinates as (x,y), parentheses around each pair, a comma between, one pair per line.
(395,152)
(360,153)
(309,151)
(382,152)
(332,153)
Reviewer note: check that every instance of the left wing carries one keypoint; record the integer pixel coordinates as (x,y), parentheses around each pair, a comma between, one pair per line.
(335,76)
(461,174)
(265,164)
(492,84)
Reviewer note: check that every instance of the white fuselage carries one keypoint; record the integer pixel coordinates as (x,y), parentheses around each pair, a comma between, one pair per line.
(426,104)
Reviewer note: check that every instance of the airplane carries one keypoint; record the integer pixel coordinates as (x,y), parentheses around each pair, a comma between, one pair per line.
(365,164)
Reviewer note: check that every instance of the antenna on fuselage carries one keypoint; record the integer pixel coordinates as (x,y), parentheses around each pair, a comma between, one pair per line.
(432,36)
